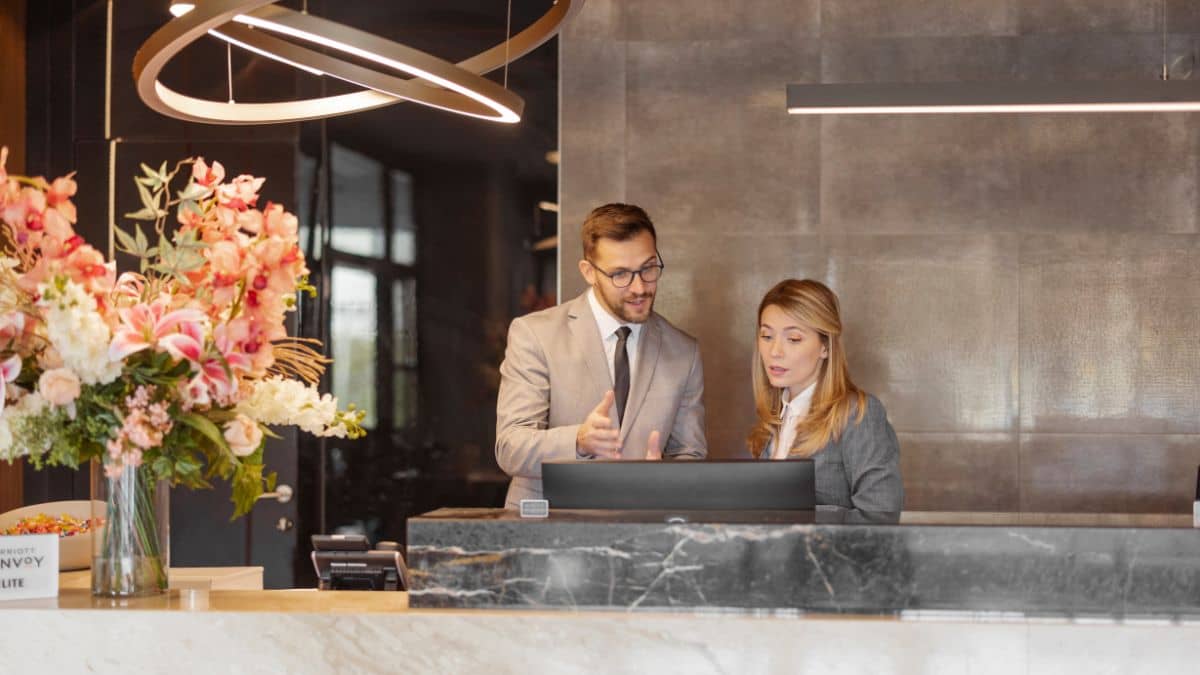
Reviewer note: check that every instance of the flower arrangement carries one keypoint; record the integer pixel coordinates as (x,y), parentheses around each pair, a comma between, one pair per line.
(177,370)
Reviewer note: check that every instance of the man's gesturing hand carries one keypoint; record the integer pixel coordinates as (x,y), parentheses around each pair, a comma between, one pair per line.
(653,450)
(598,436)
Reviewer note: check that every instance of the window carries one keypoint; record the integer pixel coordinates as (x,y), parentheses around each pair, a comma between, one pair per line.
(373,250)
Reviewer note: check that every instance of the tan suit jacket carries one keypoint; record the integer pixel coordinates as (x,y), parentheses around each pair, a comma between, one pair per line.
(555,372)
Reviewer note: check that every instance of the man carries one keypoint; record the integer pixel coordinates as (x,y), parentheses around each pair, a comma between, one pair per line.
(601,376)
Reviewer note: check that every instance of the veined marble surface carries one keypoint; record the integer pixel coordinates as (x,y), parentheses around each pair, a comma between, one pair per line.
(1032,564)
(323,632)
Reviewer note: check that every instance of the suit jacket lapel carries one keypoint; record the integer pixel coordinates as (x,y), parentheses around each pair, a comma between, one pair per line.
(648,347)
(587,342)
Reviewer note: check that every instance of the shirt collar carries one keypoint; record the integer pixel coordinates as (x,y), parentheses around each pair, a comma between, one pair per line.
(799,402)
(607,322)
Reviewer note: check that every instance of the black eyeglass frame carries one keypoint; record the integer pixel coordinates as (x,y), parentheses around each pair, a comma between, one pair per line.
(640,273)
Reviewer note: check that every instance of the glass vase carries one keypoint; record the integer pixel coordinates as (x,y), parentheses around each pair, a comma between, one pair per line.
(131,539)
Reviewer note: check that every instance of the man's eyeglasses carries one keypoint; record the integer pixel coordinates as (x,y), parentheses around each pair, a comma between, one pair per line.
(622,278)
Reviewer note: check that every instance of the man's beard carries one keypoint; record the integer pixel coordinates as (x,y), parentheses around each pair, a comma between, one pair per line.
(622,312)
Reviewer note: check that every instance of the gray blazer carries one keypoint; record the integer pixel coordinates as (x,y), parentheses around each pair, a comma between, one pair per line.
(860,470)
(555,372)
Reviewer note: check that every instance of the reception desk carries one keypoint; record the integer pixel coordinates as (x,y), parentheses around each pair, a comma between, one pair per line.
(492,593)
(1037,565)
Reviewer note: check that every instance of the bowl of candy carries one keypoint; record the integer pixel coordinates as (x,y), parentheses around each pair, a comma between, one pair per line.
(71,521)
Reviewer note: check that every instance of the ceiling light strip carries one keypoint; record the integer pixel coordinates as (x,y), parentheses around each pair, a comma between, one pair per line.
(394,88)
(389,54)
(437,83)
(994,97)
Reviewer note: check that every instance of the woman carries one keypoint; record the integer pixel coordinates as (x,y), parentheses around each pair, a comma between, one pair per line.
(808,407)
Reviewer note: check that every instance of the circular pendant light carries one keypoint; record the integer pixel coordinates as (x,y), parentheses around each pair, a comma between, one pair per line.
(405,74)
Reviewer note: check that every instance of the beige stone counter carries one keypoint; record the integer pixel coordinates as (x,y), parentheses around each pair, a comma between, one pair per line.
(306,631)
(301,601)
(197,578)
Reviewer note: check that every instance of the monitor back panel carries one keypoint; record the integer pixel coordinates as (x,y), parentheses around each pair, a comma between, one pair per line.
(729,485)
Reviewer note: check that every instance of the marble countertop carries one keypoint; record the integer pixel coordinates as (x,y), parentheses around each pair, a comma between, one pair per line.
(305,631)
(1034,564)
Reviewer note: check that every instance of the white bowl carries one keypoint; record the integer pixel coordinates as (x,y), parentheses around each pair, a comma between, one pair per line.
(74,552)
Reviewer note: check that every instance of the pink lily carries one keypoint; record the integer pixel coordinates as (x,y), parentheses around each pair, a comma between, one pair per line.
(219,372)
(146,325)
(9,370)
(188,343)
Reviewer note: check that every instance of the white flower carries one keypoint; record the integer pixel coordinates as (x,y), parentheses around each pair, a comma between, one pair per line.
(59,386)
(283,401)
(78,332)
(29,404)
(7,451)
(243,435)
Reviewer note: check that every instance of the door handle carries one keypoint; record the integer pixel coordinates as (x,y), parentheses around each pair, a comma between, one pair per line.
(281,493)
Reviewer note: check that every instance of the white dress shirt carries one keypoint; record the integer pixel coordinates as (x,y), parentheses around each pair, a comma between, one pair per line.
(793,411)
(608,325)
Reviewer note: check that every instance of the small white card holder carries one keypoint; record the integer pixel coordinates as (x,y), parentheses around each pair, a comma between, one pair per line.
(535,508)
(28,566)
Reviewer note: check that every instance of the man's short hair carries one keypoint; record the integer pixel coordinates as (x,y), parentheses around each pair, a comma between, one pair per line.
(619,222)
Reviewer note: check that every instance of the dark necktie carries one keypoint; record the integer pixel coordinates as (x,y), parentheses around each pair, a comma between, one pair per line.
(621,372)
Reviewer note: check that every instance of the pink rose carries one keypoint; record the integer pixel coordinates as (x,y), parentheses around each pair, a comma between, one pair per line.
(59,386)
(243,435)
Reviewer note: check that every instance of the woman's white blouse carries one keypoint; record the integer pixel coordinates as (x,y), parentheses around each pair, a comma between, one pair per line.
(793,411)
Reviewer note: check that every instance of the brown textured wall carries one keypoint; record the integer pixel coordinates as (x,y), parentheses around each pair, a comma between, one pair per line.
(12,134)
(1022,292)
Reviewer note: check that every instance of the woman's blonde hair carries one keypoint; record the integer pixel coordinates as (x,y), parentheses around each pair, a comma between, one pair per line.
(835,396)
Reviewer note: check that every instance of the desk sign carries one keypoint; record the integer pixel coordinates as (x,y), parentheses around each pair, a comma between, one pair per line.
(28,566)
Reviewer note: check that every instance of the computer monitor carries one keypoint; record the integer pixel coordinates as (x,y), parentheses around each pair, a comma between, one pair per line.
(713,485)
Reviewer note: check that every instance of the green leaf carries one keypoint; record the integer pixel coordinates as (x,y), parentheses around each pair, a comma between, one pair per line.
(193,191)
(148,201)
(126,241)
(205,426)
(162,467)
(142,242)
(143,214)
